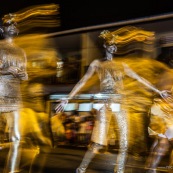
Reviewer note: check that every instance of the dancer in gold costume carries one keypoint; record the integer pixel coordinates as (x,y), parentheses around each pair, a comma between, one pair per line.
(161,124)
(13,65)
(12,71)
(111,84)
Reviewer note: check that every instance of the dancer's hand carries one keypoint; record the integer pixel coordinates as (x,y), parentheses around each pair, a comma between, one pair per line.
(61,106)
(167,96)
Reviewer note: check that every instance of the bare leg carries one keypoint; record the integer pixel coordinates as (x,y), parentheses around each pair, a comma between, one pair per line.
(161,147)
(89,155)
(121,118)
(13,160)
(170,170)
(149,159)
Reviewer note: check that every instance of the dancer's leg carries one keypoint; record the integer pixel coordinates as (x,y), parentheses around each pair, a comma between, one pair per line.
(152,148)
(13,159)
(91,152)
(121,118)
(158,152)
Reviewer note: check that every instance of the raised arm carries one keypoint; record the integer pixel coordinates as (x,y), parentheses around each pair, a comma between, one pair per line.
(91,70)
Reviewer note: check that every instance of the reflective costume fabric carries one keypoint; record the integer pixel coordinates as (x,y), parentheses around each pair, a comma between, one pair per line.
(101,126)
(122,122)
(11,56)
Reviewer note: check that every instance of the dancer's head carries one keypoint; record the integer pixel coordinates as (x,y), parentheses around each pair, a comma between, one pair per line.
(9,28)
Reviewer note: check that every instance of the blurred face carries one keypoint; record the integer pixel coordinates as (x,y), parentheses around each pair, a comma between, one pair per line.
(111,48)
(10,29)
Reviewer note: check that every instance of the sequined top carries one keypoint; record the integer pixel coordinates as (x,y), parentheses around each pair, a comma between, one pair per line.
(11,56)
(111,78)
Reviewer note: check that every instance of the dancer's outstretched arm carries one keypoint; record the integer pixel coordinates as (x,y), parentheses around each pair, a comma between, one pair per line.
(165,94)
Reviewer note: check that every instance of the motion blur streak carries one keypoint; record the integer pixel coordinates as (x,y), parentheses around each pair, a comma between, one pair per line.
(45,15)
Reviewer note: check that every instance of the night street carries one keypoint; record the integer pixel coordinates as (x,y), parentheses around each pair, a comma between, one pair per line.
(67,159)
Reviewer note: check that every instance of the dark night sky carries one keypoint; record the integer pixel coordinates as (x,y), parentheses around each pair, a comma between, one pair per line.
(85,13)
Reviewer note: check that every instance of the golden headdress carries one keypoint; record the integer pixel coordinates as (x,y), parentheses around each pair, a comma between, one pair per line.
(45,15)
(127,34)
(9,18)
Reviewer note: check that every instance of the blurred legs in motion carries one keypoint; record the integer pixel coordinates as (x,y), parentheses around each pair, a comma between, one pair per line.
(89,155)
(14,155)
(159,149)
(100,138)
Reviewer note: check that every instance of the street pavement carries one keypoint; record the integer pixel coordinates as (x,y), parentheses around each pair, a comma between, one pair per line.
(65,159)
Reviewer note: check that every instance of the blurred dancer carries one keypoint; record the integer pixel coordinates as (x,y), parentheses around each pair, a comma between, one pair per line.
(161,119)
(161,124)
(12,71)
(161,127)
(111,83)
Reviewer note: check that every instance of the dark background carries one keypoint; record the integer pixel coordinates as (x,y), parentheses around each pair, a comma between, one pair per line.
(74,14)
